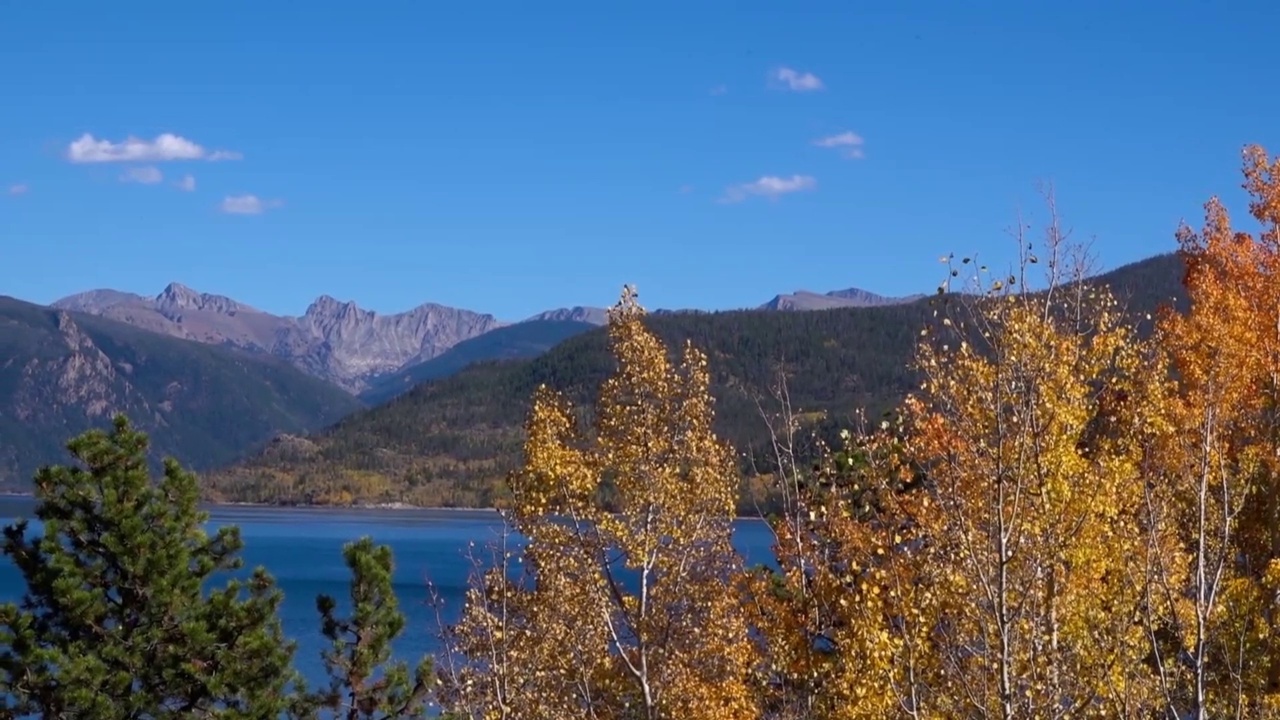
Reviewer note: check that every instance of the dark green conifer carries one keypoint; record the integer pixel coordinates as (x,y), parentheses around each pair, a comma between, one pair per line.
(116,621)
(363,684)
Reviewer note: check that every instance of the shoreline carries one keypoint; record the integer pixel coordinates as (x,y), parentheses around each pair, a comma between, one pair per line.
(302,506)
(395,506)
(357,506)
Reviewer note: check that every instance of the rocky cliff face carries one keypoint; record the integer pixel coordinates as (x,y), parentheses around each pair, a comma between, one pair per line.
(333,340)
(78,374)
(362,344)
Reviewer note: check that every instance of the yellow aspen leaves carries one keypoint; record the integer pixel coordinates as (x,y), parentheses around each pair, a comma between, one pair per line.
(634,612)
(1037,485)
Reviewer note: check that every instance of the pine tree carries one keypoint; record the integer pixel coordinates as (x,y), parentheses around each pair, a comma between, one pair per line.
(361,645)
(115,621)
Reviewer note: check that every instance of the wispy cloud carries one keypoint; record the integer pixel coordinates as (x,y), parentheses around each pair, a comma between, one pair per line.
(187,183)
(17,189)
(849,144)
(770,186)
(248,205)
(720,90)
(146,175)
(165,147)
(796,81)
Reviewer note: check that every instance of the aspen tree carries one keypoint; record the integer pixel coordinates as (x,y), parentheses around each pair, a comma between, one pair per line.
(632,613)
(1021,421)
(1214,637)
(846,616)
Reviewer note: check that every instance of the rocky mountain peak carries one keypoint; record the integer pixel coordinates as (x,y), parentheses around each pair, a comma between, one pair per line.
(577,313)
(327,306)
(868,298)
(177,297)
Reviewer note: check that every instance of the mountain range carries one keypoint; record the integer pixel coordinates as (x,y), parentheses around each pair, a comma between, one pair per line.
(444,390)
(362,351)
(333,340)
(451,440)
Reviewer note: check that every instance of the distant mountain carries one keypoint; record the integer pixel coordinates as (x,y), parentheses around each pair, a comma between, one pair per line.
(520,341)
(592,315)
(62,372)
(333,340)
(364,352)
(450,441)
(851,297)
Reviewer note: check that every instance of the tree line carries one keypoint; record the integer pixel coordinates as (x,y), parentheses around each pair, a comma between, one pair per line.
(1075,514)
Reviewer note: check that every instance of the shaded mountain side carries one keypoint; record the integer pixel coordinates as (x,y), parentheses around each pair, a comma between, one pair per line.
(64,372)
(450,442)
(523,340)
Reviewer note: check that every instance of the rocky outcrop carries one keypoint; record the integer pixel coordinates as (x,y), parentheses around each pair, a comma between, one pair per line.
(81,376)
(333,340)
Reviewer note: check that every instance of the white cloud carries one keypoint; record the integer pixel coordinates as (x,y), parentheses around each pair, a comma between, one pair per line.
(187,183)
(247,205)
(770,186)
(848,143)
(165,147)
(720,90)
(18,189)
(147,175)
(797,81)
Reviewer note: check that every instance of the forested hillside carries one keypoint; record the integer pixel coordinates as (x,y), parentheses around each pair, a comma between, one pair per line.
(450,442)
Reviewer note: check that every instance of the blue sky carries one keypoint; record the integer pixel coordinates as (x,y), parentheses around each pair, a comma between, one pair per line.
(512,157)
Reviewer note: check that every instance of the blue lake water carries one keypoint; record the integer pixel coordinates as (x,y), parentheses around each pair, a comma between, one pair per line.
(302,548)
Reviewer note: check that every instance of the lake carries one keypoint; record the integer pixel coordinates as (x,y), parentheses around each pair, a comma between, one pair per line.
(302,548)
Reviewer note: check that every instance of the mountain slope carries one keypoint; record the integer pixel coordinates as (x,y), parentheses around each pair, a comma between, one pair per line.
(62,372)
(579,313)
(850,297)
(523,340)
(450,441)
(333,340)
